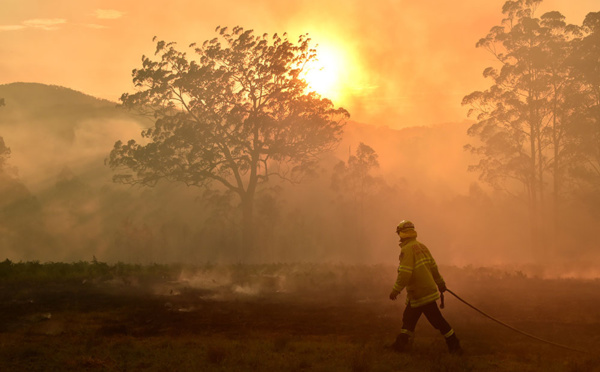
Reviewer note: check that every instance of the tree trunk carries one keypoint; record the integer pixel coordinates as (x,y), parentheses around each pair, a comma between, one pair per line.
(533,184)
(542,204)
(247,227)
(557,180)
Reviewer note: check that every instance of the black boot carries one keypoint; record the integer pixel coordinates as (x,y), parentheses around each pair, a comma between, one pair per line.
(402,344)
(453,345)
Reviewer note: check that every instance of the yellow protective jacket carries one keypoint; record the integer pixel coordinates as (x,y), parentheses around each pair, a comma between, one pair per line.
(418,273)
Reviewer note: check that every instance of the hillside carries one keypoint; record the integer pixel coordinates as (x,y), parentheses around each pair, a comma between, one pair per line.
(49,128)
(56,109)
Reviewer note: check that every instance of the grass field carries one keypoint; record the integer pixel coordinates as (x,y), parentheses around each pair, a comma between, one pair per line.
(91,316)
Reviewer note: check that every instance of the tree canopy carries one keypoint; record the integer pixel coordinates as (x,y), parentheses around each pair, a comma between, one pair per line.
(235,114)
(535,123)
(4,151)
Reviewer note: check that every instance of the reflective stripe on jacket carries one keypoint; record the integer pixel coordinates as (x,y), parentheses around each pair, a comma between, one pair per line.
(418,273)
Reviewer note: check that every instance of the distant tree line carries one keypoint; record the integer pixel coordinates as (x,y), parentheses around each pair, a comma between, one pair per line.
(538,124)
(4,151)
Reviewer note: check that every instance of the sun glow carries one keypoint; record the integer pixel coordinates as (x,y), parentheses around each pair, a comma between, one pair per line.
(325,75)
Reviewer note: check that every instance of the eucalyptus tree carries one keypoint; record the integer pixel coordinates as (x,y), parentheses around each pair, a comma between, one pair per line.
(556,40)
(514,122)
(4,151)
(585,132)
(354,182)
(354,177)
(236,113)
(4,154)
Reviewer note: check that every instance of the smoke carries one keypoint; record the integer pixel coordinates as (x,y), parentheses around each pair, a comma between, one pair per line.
(301,280)
(410,67)
(67,209)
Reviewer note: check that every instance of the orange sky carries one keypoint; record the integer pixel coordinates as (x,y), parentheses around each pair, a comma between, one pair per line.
(406,62)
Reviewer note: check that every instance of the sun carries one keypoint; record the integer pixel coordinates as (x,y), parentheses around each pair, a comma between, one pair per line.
(337,73)
(325,74)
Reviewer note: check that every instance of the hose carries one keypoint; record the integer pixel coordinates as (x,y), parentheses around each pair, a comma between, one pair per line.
(515,329)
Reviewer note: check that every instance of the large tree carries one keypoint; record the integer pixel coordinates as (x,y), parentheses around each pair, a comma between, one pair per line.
(520,118)
(556,41)
(236,114)
(585,131)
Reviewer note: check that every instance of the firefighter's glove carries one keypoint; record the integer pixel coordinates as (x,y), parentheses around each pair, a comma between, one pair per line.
(394,294)
(442,287)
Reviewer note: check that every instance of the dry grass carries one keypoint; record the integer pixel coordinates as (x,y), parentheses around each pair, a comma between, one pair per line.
(284,317)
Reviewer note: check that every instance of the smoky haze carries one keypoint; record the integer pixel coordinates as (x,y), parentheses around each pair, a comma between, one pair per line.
(59,203)
(405,56)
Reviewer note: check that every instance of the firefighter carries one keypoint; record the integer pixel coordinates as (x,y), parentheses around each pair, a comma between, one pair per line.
(419,274)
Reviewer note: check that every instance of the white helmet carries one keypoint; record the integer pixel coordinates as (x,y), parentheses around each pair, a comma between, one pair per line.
(406,229)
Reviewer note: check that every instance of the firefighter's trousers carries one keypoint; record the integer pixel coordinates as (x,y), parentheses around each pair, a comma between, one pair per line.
(432,313)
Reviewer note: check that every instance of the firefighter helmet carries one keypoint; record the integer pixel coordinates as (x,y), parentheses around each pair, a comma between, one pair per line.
(406,229)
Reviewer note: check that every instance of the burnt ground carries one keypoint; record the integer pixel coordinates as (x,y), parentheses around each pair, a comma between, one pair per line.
(264,321)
